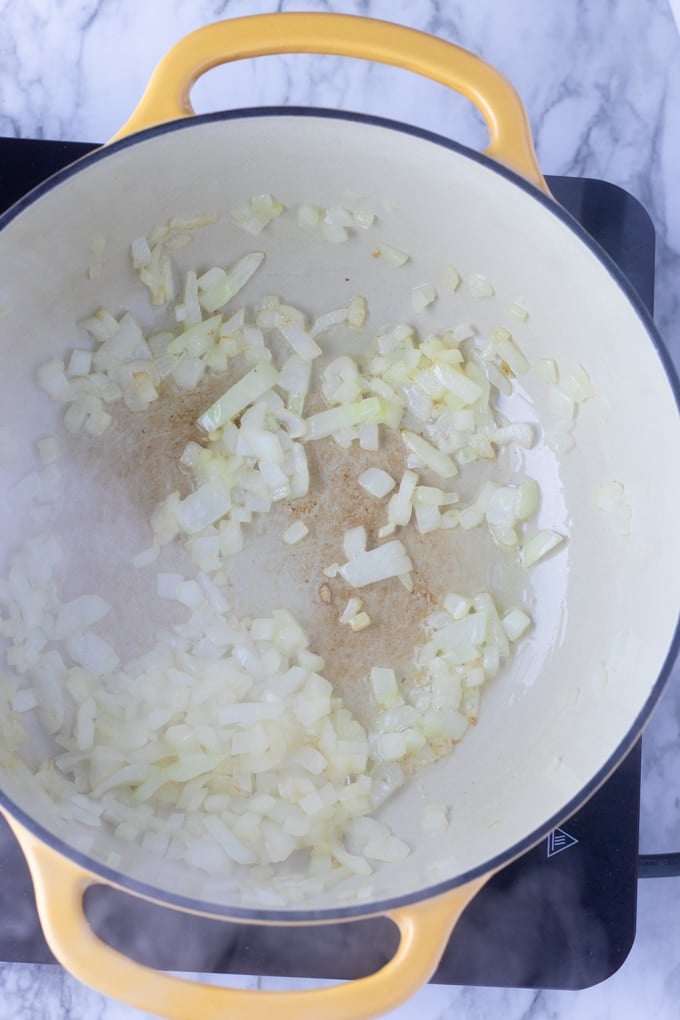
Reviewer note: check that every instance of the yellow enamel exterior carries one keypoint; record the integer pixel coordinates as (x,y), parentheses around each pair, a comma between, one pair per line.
(60,885)
(167,96)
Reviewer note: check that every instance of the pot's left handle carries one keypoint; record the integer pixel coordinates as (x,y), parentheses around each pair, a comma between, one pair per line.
(60,886)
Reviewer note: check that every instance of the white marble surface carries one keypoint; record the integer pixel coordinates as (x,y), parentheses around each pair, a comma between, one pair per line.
(601,81)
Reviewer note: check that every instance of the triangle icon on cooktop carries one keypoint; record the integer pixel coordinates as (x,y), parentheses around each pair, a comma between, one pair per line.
(559,840)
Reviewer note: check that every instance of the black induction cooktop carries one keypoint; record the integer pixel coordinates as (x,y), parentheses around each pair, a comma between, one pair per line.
(562,916)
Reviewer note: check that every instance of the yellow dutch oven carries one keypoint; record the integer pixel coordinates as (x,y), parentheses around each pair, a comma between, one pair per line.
(556,725)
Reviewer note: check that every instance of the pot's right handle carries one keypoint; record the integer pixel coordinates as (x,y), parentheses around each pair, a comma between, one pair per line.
(60,885)
(167,94)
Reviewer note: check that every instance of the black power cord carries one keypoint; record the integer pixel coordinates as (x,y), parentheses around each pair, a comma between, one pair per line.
(659,865)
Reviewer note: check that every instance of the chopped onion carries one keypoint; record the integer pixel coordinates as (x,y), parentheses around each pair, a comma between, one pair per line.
(515,623)
(357,311)
(452,278)
(254,216)
(539,546)
(354,542)
(518,310)
(507,349)
(400,506)
(393,256)
(377,564)
(354,606)
(231,720)
(218,289)
(431,457)
(325,423)
(546,369)
(376,482)
(480,286)
(295,532)
(360,622)
(239,396)
(422,296)
(299,339)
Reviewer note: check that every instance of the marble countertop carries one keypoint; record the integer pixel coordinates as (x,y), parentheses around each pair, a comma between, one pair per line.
(601,82)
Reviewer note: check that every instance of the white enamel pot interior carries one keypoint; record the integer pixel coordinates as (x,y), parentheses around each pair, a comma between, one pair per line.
(582,684)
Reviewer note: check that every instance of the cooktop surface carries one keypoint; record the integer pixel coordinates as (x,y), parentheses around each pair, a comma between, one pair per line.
(562,916)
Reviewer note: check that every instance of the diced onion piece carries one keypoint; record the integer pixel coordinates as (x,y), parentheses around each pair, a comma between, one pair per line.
(80,363)
(458,383)
(497,378)
(354,542)
(509,351)
(526,499)
(464,332)
(146,557)
(452,278)
(254,216)
(578,385)
(470,517)
(230,282)
(334,233)
(539,546)
(377,564)
(393,256)
(93,653)
(325,423)
(198,338)
(333,318)
(363,218)
(433,458)
(480,286)
(53,379)
(457,605)
(295,532)
(385,687)
(434,496)
(239,396)
(140,253)
(208,504)
(101,326)
(422,296)
(428,518)
(515,623)
(359,622)
(369,436)
(309,216)
(518,310)
(357,311)
(299,339)
(354,606)
(376,482)
(546,369)
(400,507)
